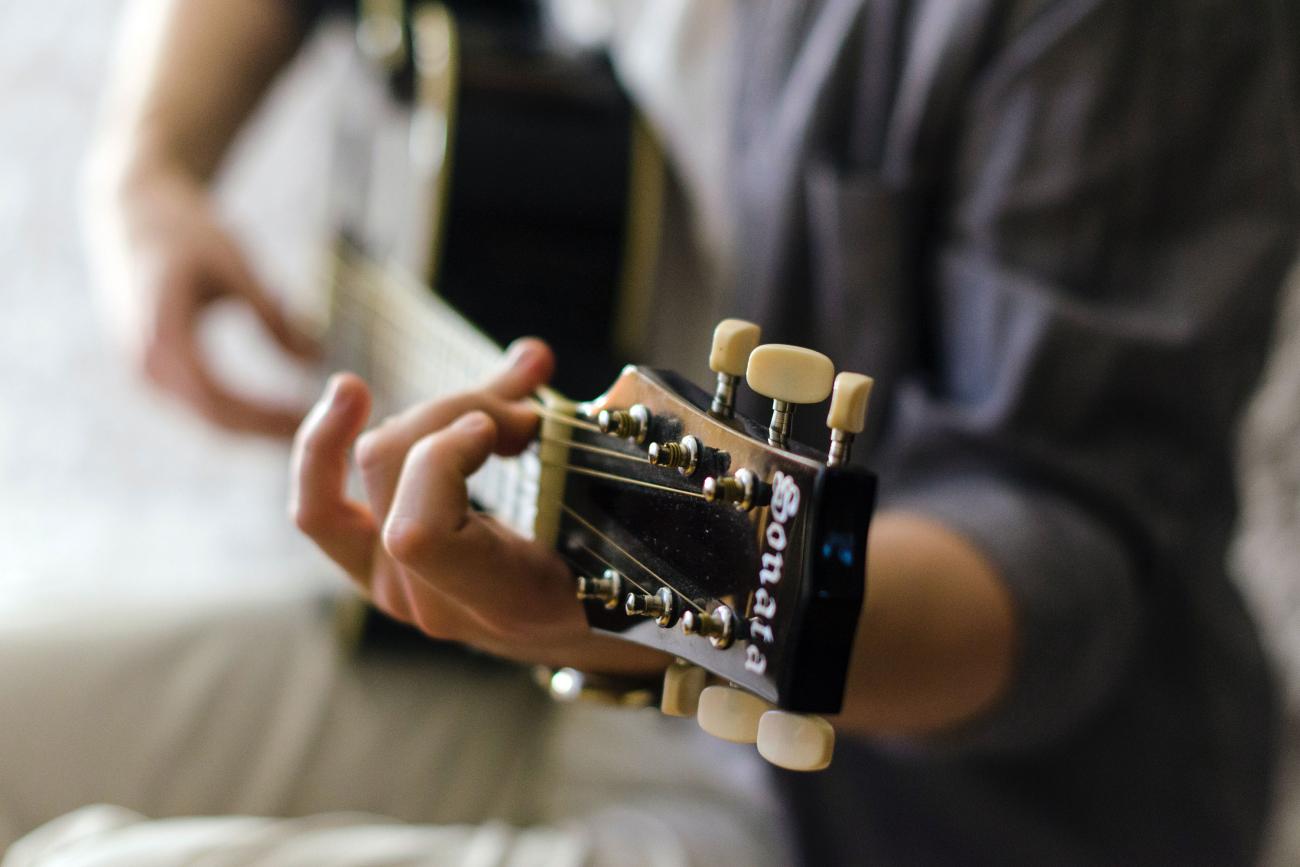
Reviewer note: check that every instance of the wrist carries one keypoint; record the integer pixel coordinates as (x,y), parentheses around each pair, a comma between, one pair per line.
(124,169)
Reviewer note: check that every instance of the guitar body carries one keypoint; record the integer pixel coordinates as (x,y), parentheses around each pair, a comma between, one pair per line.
(524,219)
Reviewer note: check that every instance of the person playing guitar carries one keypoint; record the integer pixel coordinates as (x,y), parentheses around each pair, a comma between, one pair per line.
(1053,231)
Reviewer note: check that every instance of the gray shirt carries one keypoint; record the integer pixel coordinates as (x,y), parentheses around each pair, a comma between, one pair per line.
(1054,231)
(1060,259)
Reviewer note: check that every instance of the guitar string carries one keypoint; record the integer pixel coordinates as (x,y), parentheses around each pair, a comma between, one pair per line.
(390,363)
(396,372)
(611,543)
(578,567)
(368,308)
(641,459)
(552,415)
(390,368)
(382,312)
(503,485)
(502,479)
(614,477)
(365,293)
(438,368)
(596,555)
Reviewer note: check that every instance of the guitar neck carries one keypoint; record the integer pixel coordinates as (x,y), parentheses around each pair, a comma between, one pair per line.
(412,347)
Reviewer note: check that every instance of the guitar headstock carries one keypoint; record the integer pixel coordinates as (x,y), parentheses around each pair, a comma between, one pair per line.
(711,536)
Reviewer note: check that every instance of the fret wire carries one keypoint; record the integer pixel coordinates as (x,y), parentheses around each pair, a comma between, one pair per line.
(608,541)
(451,344)
(497,471)
(383,319)
(495,483)
(432,369)
(397,369)
(387,338)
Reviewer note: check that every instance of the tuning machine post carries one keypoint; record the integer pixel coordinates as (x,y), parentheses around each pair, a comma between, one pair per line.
(718,625)
(632,423)
(743,490)
(733,341)
(660,606)
(789,376)
(610,588)
(848,414)
(684,455)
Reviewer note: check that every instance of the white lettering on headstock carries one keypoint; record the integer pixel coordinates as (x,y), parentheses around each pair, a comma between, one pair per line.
(783,509)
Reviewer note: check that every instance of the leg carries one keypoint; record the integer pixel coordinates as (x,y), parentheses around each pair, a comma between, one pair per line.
(250,708)
(247,707)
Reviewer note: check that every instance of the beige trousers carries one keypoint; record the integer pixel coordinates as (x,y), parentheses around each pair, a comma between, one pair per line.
(244,709)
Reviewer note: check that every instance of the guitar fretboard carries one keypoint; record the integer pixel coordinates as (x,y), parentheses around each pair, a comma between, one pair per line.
(412,347)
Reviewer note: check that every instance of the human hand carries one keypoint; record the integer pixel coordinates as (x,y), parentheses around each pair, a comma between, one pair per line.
(163,260)
(417,550)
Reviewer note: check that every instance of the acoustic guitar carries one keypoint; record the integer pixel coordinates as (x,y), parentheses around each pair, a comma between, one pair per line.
(690,528)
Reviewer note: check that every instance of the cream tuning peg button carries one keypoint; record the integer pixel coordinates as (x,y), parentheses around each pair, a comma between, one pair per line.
(731,714)
(789,375)
(848,414)
(733,340)
(683,684)
(795,741)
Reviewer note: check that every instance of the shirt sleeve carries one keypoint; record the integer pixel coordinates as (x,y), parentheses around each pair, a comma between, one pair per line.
(1117,220)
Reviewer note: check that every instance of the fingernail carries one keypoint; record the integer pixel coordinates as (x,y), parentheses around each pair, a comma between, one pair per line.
(474,422)
(520,351)
(334,394)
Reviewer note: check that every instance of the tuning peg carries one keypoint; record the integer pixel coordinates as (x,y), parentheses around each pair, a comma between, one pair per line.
(789,375)
(742,490)
(719,626)
(684,455)
(632,423)
(795,741)
(731,714)
(683,684)
(660,607)
(733,341)
(848,414)
(610,588)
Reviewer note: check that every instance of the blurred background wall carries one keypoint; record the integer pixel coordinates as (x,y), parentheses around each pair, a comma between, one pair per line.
(107,492)
(106,489)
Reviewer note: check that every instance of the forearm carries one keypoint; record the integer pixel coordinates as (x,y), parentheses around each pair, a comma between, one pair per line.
(937,634)
(186,75)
